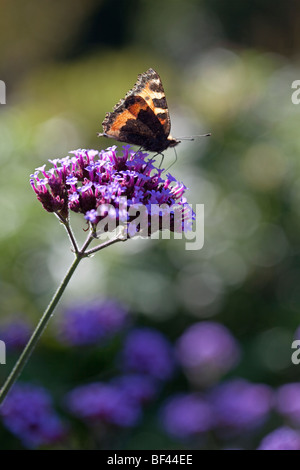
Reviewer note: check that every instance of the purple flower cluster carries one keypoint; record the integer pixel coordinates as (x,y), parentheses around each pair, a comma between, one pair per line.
(104,402)
(207,350)
(15,333)
(98,183)
(240,405)
(27,412)
(147,351)
(288,402)
(140,388)
(186,415)
(297,333)
(92,322)
(283,438)
(147,360)
(230,408)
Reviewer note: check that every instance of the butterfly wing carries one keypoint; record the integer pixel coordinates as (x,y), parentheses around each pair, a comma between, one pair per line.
(142,117)
(149,86)
(125,112)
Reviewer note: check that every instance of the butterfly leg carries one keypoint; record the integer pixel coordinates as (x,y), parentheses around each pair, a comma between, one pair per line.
(174,160)
(138,150)
(162,158)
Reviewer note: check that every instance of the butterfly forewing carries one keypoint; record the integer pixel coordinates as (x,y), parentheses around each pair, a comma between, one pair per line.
(149,86)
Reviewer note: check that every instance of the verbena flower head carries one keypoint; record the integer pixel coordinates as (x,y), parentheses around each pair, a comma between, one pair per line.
(106,403)
(283,438)
(147,351)
(288,402)
(101,185)
(207,350)
(28,413)
(240,405)
(15,333)
(92,322)
(186,415)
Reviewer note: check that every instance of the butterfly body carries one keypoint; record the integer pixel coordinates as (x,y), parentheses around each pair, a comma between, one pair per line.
(142,117)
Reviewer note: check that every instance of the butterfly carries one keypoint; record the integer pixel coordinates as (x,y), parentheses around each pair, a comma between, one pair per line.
(142,117)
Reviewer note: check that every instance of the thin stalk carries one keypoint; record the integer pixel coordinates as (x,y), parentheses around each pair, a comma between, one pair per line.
(37,332)
(69,232)
(13,376)
(103,245)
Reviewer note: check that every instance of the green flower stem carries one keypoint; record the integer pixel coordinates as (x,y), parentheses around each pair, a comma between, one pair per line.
(83,253)
(79,255)
(37,332)
(103,245)
(68,228)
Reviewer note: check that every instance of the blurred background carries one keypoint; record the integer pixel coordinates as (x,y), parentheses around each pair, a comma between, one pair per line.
(224,316)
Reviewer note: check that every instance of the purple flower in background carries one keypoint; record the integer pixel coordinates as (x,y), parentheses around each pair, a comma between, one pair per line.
(186,415)
(207,350)
(28,414)
(240,405)
(100,184)
(15,333)
(104,402)
(283,438)
(141,388)
(297,333)
(288,402)
(147,351)
(92,322)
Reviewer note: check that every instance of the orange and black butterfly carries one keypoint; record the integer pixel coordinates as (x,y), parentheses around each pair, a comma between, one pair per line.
(142,117)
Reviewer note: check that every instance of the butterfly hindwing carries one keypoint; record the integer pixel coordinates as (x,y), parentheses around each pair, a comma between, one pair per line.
(124,112)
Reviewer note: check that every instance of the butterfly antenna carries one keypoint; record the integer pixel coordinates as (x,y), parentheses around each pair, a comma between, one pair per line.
(174,160)
(193,137)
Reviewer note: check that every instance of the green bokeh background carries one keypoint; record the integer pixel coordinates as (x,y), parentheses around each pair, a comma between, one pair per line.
(227,67)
